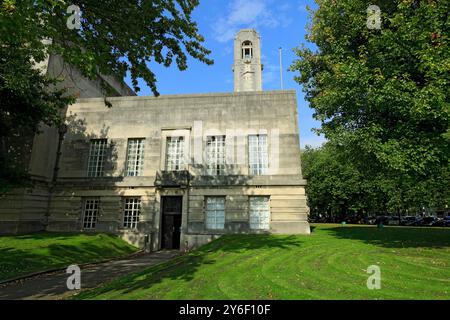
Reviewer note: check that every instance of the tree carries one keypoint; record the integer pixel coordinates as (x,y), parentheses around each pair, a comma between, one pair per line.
(335,186)
(382,93)
(114,37)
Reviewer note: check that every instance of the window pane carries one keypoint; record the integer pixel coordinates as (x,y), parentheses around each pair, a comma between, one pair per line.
(258,155)
(215,213)
(259,213)
(135,157)
(131,212)
(175,154)
(96,157)
(215,155)
(90,213)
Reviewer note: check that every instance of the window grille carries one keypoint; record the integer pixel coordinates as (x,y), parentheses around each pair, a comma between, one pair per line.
(258,156)
(135,157)
(259,213)
(215,155)
(175,153)
(215,213)
(96,158)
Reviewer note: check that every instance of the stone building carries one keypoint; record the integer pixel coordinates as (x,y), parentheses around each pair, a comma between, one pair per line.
(177,170)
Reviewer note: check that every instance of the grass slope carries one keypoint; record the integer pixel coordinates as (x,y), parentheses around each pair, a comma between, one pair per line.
(20,255)
(329,264)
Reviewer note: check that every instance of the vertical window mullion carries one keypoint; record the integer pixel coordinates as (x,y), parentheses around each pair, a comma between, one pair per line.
(259,213)
(91,208)
(215,155)
(135,157)
(258,156)
(96,157)
(131,212)
(174,153)
(215,213)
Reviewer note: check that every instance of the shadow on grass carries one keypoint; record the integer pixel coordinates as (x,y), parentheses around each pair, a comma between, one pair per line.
(45,255)
(395,237)
(185,267)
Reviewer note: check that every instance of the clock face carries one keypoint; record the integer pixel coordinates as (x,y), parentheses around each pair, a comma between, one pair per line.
(247,70)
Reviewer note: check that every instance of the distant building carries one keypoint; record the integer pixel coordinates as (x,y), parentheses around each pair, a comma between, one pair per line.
(174,170)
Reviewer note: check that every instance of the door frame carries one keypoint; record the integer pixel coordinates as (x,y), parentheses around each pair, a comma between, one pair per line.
(161,220)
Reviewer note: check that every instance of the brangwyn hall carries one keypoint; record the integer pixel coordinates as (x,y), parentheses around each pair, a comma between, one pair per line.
(169,171)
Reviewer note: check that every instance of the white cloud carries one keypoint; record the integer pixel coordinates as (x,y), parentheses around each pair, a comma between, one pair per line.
(246,14)
(313,141)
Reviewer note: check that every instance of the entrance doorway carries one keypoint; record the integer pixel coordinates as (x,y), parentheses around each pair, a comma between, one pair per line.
(171,222)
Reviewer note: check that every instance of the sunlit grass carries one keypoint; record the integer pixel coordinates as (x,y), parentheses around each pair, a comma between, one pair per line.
(329,264)
(20,255)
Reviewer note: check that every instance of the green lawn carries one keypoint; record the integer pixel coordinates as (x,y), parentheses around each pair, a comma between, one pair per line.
(20,255)
(329,264)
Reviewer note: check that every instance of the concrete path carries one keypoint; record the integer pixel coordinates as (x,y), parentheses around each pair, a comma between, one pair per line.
(53,286)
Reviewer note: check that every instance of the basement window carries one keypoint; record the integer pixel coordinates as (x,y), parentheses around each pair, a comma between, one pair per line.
(90,213)
(131,213)
(215,213)
(259,213)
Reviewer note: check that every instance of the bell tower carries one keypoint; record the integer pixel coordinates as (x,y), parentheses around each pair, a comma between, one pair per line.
(247,66)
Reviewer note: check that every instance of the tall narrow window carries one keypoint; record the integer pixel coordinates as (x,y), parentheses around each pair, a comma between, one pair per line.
(215,213)
(96,157)
(132,210)
(90,214)
(247,50)
(215,155)
(175,154)
(259,213)
(135,157)
(257,154)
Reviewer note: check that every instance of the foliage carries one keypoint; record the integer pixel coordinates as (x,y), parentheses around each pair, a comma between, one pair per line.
(338,185)
(115,37)
(383,95)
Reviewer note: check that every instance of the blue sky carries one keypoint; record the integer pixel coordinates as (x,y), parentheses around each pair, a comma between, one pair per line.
(281,23)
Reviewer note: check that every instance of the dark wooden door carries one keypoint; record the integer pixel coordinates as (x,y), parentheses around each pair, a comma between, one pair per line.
(171,222)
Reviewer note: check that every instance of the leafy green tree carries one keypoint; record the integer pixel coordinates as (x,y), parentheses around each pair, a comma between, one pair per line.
(338,186)
(383,93)
(335,186)
(114,37)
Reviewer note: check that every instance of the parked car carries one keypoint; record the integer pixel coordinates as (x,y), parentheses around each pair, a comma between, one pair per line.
(442,222)
(369,220)
(438,222)
(409,221)
(427,221)
(394,221)
(382,219)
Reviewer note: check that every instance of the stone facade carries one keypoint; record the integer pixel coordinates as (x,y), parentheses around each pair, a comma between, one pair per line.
(25,209)
(171,171)
(233,115)
(247,66)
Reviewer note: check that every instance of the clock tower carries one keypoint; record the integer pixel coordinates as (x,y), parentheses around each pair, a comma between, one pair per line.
(247,66)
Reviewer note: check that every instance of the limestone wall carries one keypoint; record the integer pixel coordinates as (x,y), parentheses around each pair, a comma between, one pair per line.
(24,209)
